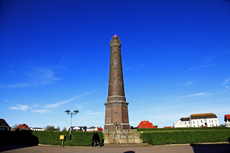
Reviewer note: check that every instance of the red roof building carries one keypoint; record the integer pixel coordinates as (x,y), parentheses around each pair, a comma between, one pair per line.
(146,124)
(227,120)
(227,117)
(21,127)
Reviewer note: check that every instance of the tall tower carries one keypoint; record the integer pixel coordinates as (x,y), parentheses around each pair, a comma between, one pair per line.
(116,114)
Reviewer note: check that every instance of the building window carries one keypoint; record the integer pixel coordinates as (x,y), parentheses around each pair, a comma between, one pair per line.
(115,61)
(115,52)
(116,98)
(193,122)
(116,79)
(115,68)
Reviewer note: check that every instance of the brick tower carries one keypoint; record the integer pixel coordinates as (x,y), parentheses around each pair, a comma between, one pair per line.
(116,114)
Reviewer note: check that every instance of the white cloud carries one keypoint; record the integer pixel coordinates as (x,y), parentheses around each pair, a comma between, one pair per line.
(93,101)
(203,66)
(227,83)
(41,111)
(189,83)
(66,101)
(193,95)
(12,72)
(37,77)
(18,85)
(20,107)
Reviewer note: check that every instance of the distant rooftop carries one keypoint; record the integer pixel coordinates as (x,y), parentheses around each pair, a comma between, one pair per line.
(204,115)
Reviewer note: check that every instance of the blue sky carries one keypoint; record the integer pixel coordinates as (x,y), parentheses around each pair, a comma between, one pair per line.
(54,55)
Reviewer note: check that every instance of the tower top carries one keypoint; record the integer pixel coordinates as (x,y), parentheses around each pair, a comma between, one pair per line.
(115,41)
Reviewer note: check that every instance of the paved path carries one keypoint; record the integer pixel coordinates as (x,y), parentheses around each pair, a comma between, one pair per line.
(203,148)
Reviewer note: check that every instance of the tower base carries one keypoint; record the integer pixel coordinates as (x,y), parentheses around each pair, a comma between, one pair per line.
(116,116)
(113,126)
(121,136)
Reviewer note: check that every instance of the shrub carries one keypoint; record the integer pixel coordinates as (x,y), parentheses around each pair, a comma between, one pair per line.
(191,128)
(182,137)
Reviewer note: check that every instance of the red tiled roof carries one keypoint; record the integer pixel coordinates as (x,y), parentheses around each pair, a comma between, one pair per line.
(227,117)
(146,124)
(22,126)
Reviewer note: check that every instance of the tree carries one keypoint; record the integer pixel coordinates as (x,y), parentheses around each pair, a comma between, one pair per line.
(49,128)
(58,128)
(222,125)
(64,129)
(14,126)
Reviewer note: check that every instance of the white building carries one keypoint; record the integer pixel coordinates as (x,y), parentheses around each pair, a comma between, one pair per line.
(227,120)
(206,119)
(37,129)
(90,129)
(198,120)
(182,123)
(79,128)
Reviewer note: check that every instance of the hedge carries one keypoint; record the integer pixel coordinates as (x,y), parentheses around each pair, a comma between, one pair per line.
(183,137)
(176,129)
(49,137)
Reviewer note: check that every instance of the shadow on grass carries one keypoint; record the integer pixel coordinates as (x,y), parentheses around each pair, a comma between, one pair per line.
(17,139)
(211,148)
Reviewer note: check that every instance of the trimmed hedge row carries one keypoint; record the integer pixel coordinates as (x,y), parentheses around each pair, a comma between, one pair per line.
(192,128)
(49,137)
(182,137)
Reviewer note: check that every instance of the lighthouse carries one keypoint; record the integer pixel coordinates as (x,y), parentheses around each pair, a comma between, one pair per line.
(116,113)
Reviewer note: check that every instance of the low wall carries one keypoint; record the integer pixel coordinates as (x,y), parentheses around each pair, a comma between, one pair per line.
(121,136)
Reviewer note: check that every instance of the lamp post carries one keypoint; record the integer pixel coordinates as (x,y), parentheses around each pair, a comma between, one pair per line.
(71,115)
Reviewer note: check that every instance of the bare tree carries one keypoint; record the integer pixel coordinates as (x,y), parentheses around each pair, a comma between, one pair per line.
(14,126)
(58,128)
(49,128)
(64,129)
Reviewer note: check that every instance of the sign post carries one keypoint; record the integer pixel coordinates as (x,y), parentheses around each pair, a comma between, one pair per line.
(62,137)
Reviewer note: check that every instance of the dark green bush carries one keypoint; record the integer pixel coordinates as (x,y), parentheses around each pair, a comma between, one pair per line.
(191,128)
(48,137)
(182,137)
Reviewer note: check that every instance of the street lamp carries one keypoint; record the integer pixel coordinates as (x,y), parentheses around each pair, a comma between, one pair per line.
(71,114)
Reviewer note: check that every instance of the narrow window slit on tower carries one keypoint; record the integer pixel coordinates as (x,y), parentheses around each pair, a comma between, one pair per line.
(115,68)
(116,79)
(116,98)
(115,61)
